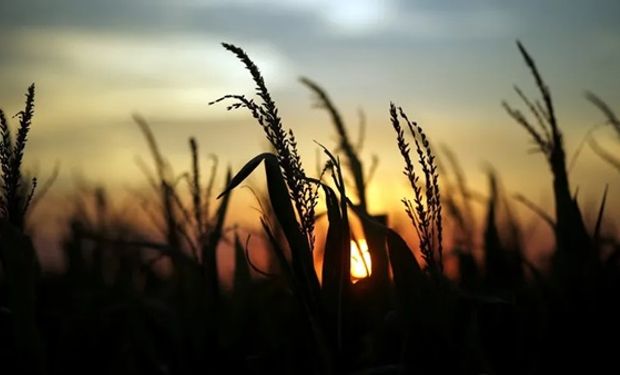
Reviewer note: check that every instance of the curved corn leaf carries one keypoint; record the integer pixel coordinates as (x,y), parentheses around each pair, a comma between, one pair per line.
(336,288)
(242,276)
(209,251)
(410,282)
(301,257)
(332,259)
(247,169)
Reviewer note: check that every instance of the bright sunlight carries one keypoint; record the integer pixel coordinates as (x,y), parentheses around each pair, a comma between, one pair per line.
(360,260)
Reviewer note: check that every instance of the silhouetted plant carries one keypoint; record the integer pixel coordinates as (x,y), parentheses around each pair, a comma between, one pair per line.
(284,143)
(286,181)
(128,312)
(378,281)
(17,254)
(573,242)
(425,210)
(15,198)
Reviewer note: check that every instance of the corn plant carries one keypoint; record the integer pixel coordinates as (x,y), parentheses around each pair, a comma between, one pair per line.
(17,254)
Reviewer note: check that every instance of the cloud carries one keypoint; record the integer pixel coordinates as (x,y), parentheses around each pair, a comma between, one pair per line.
(149,72)
(343,16)
(278,20)
(462,24)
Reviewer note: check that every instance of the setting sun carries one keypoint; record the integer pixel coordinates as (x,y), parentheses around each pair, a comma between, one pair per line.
(360,260)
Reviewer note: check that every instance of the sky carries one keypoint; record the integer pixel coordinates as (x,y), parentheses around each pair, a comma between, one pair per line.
(449,64)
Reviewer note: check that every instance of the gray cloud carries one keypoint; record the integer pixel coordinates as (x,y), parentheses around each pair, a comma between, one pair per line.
(303,31)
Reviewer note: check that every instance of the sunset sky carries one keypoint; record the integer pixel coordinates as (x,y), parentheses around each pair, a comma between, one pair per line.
(449,64)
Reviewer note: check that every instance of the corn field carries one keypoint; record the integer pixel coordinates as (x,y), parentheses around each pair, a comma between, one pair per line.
(115,310)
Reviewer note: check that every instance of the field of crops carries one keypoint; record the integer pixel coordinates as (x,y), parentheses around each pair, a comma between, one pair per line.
(129,303)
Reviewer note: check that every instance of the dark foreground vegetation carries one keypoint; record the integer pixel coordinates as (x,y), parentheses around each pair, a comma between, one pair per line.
(118,311)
